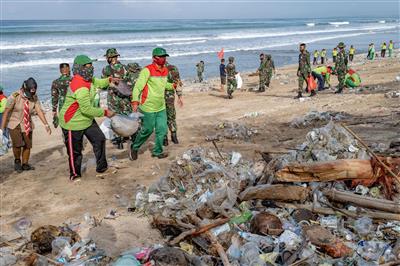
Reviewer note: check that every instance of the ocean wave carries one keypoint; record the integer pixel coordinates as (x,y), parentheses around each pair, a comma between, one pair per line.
(310,24)
(38,62)
(45,52)
(181,43)
(382,21)
(244,35)
(339,23)
(77,43)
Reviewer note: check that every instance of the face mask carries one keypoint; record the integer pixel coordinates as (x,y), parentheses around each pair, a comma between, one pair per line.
(85,72)
(160,60)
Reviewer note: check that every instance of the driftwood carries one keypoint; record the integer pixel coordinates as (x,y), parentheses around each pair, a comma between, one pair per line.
(329,211)
(326,171)
(158,220)
(362,201)
(275,192)
(214,241)
(397,177)
(199,230)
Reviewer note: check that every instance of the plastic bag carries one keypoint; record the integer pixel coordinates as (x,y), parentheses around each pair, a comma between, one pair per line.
(239,81)
(125,125)
(4,144)
(106,128)
(311,83)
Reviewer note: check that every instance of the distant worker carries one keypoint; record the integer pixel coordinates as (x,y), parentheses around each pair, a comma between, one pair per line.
(222,74)
(383,49)
(352,79)
(270,69)
(200,71)
(352,51)
(334,54)
(17,117)
(371,52)
(262,73)
(59,89)
(77,117)
(390,48)
(341,67)
(304,70)
(173,77)
(323,56)
(148,96)
(323,75)
(316,55)
(231,77)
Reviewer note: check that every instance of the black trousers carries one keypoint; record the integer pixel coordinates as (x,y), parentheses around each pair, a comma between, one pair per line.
(74,142)
(351,57)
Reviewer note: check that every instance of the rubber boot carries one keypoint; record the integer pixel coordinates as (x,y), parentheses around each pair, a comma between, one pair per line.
(174,138)
(299,95)
(313,93)
(339,91)
(165,142)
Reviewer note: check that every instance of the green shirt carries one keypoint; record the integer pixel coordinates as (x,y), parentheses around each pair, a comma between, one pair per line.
(3,104)
(150,87)
(78,110)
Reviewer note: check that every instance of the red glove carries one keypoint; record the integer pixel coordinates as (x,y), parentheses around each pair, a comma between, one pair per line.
(134,106)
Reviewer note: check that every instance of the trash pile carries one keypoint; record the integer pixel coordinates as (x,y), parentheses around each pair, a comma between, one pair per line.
(311,209)
(372,89)
(313,118)
(232,130)
(392,94)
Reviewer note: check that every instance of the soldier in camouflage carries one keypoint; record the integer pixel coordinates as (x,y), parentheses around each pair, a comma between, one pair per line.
(116,102)
(59,89)
(267,67)
(262,73)
(173,77)
(132,74)
(200,70)
(304,70)
(341,66)
(231,79)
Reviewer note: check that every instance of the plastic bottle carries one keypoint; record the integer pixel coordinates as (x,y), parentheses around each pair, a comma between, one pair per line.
(261,241)
(240,219)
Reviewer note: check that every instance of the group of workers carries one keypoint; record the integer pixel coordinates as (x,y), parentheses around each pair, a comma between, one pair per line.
(371,50)
(130,88)
(75,105)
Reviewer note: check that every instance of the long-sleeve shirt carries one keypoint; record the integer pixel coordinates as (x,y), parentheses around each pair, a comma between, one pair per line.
(78,110)
(59,89)
(149,90)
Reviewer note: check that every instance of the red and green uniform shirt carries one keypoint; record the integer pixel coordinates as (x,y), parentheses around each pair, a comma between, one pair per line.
(149,90)
(78,110)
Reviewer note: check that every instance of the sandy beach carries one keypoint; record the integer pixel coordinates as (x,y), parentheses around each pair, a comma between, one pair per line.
(46,196)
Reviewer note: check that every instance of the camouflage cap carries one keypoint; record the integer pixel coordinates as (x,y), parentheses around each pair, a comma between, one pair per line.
(231,59)
(133,66)
(111,52)
(341,45)
(268,56)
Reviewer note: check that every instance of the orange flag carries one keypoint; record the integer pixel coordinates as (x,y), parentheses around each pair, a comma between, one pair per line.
(221,54)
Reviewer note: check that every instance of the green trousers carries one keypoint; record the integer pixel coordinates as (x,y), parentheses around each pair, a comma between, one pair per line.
(151,121)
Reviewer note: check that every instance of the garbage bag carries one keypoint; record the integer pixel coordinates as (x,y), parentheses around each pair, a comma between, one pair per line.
(312,84)
(106,128)
(125,125)
(239,81)
(4,144)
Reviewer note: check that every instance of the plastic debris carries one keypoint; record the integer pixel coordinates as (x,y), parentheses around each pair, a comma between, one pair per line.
(125,125)
(313,118)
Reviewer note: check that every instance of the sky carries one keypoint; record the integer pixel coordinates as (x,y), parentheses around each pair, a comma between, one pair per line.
(194,9)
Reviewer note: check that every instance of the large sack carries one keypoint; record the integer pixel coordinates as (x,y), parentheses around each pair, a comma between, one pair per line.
(125,125)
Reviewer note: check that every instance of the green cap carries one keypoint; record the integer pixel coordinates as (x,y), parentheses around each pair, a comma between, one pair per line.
(1,88)
(159,52)
(341,45)
(83,60)
(112,52)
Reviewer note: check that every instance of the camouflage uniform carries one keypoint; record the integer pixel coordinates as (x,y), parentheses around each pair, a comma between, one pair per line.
(200,71)
(116,102)
(341,67)
(173,77)
(132,74)
(270,65)
(231,72)
(59,89)
(262,74)
(304,69)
